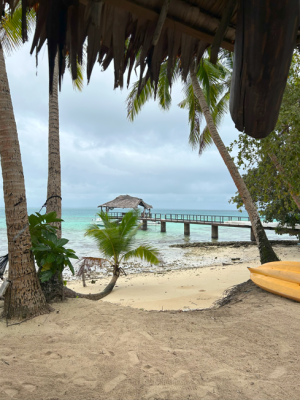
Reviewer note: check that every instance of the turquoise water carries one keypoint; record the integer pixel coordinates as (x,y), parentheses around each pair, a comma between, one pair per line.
(76,220)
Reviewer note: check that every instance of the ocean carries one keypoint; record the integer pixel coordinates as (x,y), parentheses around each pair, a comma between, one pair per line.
(76,221)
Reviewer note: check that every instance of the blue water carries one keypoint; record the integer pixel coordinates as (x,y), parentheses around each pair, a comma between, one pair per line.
(76,220)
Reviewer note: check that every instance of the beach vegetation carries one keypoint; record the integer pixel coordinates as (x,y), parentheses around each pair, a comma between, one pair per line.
(50,252)
(116,242)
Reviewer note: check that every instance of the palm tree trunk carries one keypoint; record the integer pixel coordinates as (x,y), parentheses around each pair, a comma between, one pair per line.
(96,296)
(24,297)
(54,167)
(266,251)
(280,169)
(53,288)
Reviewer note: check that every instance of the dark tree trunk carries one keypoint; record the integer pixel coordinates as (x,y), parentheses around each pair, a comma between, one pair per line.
(53,289)
(96,296)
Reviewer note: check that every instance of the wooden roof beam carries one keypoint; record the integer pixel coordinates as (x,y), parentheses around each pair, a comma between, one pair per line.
(161,21)
(152,15)
(227,14)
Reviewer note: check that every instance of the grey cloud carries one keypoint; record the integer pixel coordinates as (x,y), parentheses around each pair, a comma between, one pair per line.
(103,154)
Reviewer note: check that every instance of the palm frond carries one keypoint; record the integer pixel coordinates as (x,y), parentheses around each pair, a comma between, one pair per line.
(107,241)
(107,220)
(135,102)
(11,28)
(144,252)
(205,140)
(164,88)
(128,223)
(78,83)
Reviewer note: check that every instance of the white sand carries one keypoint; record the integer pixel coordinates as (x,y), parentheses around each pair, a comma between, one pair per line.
(187,288)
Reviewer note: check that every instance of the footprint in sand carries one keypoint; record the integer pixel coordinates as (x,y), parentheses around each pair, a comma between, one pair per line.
(179,373)
(11,392)
(85,381)
(151,370)
(29,387)
(54,356)
(109,386)
(156,391)
(277,373)
(133,358)
(146,335)
(125,336)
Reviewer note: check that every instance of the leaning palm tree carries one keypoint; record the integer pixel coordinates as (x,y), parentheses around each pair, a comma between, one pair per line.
(24,297)
(211,100)
(266,251)
(116,243)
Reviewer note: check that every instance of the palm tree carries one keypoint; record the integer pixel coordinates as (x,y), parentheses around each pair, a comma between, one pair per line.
(266,251)
(215,80)
(13,30)
(24,297)
(53,286)
(54,165)
(117,245)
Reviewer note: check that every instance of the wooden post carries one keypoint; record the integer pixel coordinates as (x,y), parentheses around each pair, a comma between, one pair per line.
(186,228)
(144,226)
(163,226)
(214,232)
(252,235)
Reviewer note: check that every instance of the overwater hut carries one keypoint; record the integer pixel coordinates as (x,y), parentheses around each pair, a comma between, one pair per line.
(126,201)
(262,34)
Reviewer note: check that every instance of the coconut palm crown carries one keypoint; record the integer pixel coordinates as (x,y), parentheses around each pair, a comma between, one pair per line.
(116,242)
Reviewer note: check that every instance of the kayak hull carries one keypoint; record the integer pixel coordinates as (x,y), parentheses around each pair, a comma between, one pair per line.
(281,278)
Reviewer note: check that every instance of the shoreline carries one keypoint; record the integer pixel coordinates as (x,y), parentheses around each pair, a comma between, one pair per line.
(235,243)
(196,282)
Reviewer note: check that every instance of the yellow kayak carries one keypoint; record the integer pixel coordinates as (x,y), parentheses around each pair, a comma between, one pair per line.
(280,277)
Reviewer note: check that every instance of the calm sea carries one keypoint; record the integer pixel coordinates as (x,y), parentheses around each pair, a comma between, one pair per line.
(76,220)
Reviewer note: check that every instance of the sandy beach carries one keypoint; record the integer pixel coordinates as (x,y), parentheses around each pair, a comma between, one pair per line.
(246,349)
(214,270)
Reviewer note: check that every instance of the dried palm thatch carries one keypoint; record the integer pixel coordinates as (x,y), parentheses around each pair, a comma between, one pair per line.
(146,32)
(86,264)
(126,201)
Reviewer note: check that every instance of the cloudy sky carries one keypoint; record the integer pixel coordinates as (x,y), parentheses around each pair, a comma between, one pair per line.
(103,154)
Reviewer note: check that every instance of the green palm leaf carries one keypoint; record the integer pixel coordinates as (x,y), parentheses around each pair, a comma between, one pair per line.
(144,252)
(128,223)
(11,28)
(116,240)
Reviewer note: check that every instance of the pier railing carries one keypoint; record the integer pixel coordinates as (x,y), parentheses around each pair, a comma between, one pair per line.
(185,217)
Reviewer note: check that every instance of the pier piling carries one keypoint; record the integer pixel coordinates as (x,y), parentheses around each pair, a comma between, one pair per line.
(214,232)
(144,226)
(163,226)
(186,228)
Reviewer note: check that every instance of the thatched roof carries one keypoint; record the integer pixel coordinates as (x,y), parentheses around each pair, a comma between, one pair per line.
(262,34)
(126,201)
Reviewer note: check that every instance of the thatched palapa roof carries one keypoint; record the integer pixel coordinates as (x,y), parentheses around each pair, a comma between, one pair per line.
(126,201)
(148,32)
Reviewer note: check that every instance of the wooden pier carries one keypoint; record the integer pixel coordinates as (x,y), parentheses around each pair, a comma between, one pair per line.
(213,220)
